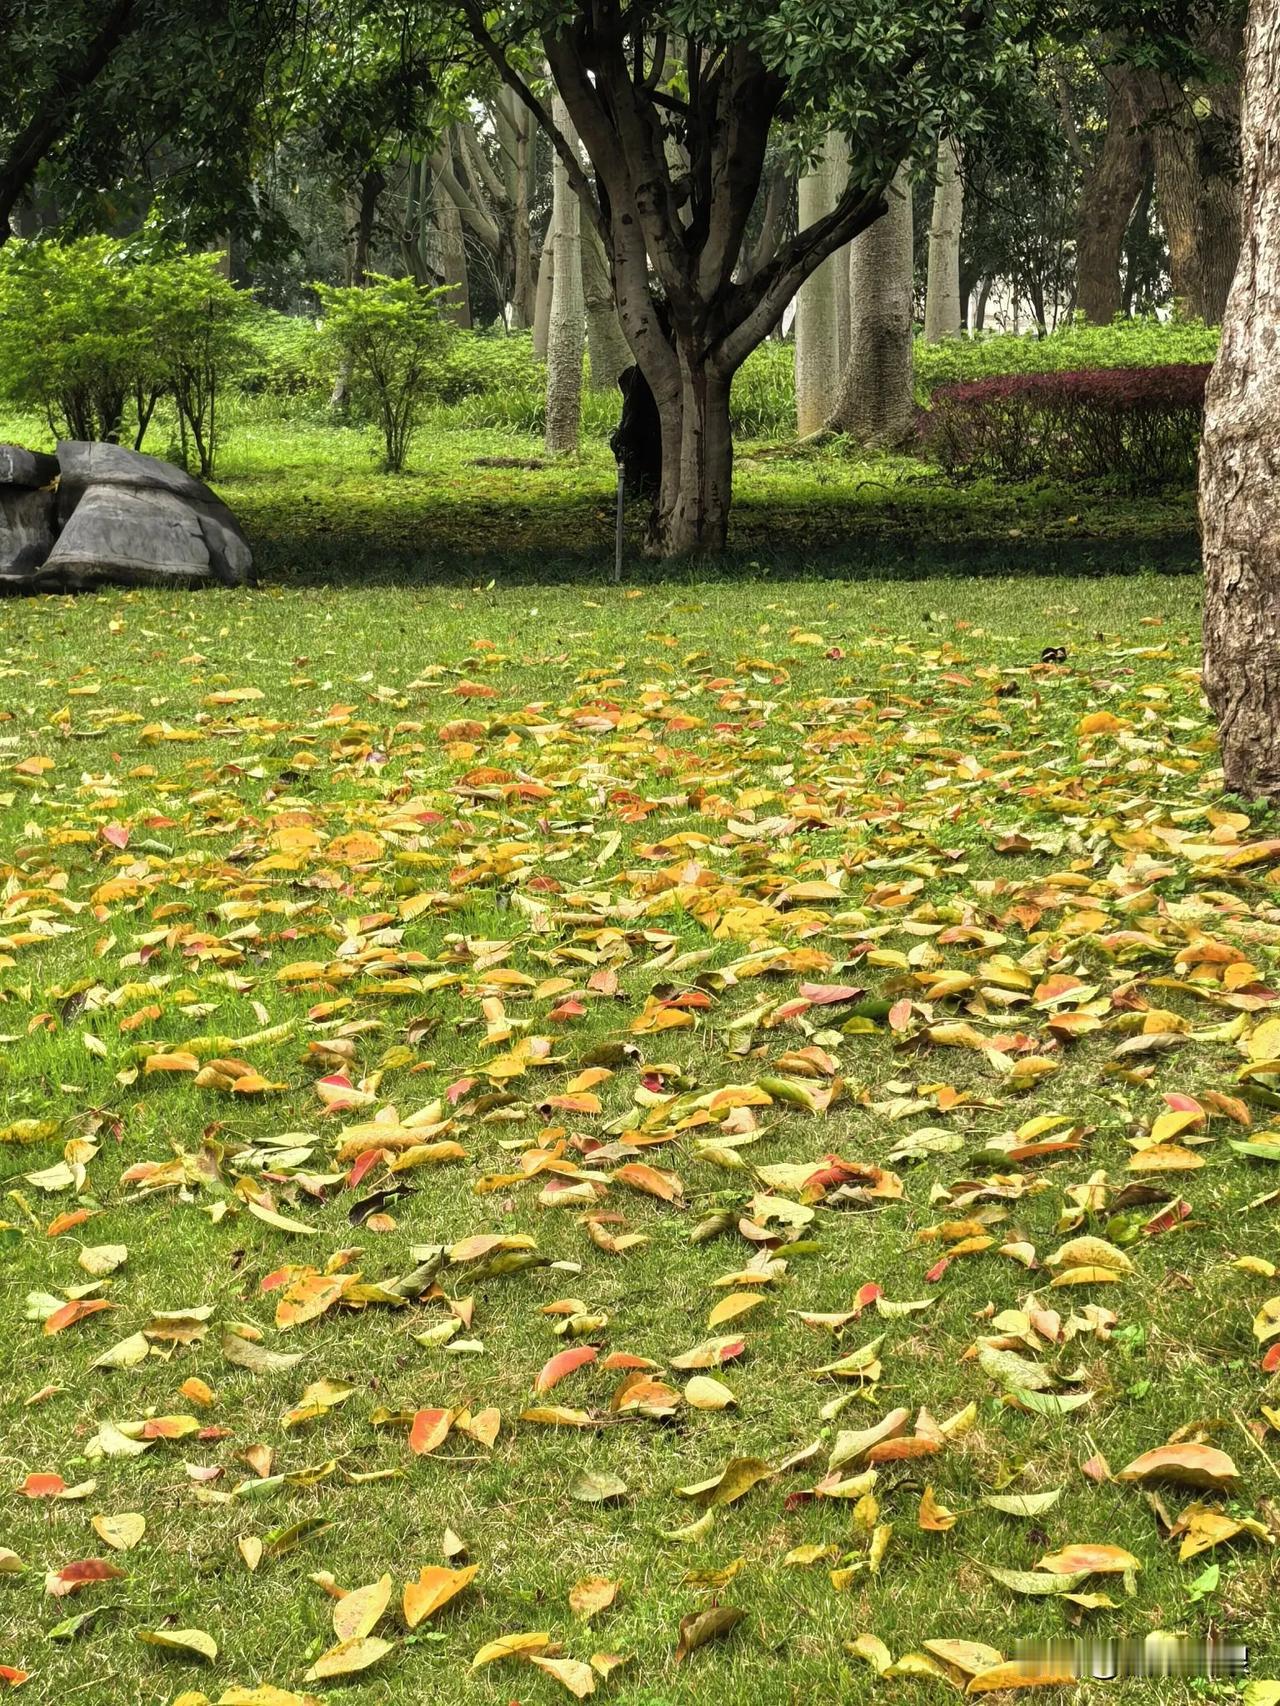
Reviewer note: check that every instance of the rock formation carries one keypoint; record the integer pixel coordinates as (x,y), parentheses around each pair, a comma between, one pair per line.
(98,513)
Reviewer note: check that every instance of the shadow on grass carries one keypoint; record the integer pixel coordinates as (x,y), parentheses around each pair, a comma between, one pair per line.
(353,559)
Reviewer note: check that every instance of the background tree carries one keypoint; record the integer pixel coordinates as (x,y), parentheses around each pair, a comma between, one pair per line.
(821,302)
(1194,129)
(943,310)
(565,333)
(875,402)
(1239,494)
(887,76)
(1115,178)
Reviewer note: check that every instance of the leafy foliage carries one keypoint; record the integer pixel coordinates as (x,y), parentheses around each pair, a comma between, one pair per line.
(284,361)
(94,332)
(390,332)
(1138,342)
(74,341)
(1138,425)
(195,320)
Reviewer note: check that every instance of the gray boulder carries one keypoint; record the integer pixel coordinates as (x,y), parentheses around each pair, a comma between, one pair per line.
(28,528)
(116,516)
(32,468)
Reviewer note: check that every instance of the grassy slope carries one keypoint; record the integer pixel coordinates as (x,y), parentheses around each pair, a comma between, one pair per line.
(355,688)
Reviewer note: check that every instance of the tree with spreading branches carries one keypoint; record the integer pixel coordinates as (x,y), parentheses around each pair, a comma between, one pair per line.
(675,105)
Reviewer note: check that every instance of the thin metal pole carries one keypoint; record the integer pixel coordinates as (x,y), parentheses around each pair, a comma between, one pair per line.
(617,543)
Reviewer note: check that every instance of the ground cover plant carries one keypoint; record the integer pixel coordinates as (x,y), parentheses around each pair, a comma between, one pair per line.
(628,1141)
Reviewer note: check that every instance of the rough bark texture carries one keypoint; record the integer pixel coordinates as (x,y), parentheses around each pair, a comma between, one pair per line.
(565,336)
(1200,210)
(610,351)
(876,399)
(1112,186)
(942,315)
(818,302)
(1193,143)
(1240,459)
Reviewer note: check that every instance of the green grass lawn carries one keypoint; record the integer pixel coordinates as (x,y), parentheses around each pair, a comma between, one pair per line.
(538,871)
(318,510)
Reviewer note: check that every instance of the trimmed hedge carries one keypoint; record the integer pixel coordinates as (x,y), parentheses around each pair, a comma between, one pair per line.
(1144,342)
(1138,425)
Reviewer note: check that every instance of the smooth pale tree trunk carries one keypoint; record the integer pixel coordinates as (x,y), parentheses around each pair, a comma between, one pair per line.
(844,307)
(542,299)
(818,300)
(523,288)
(942,315)
(453,258)
(1239,491)
(1111,190)
(779,198)
(610,351)
(876,400)
(566,330)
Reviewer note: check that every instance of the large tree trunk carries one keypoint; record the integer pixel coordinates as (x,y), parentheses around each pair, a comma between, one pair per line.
(876,400)
(844,308)
(1197,189)
(818,301)
(1200,210)
(692,514)
(565,337)
(942,316)
(774,215)
(1239,491)
(610,352)
(1110,192)
(675,231)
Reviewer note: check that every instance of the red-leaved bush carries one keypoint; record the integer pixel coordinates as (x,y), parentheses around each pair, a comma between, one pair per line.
(1140,425)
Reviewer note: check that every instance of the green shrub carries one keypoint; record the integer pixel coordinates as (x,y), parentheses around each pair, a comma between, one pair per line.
(195,319)
(1138,426)
(284,359)
(498,383)
(94,332)
(1125,343)
(74,342)
(389,335)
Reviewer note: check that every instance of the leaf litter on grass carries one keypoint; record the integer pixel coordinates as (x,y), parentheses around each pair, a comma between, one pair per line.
(495,1046)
